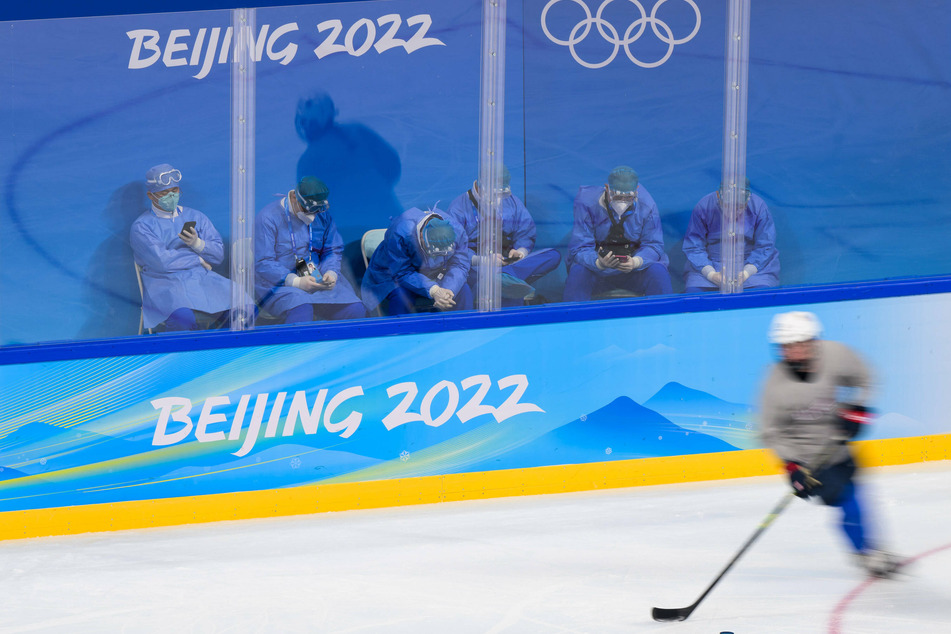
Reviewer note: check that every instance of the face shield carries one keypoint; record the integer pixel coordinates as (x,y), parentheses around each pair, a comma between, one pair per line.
(438,238)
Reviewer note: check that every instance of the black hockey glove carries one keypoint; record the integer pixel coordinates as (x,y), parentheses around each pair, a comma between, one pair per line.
(801,479)
(854,419)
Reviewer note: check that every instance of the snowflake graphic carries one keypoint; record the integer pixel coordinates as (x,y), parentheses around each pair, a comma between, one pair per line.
(584,417)
(295,462)
(404,456)
(608,451)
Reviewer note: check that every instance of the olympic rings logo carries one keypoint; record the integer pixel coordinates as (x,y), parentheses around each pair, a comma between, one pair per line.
(660,29)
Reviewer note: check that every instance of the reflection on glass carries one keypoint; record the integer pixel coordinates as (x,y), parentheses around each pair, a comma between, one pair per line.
(355,161)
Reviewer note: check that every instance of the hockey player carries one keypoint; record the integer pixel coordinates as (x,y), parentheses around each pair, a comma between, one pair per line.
(805,416)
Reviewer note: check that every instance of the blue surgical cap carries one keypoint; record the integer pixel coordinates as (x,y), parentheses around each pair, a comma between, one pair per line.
(162,177)
(313,188)
(622,179)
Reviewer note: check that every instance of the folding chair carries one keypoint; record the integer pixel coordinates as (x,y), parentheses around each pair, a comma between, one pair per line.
(138,277)
(369,243)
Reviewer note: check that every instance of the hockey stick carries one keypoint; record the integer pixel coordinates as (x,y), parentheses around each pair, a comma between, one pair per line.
(681,614)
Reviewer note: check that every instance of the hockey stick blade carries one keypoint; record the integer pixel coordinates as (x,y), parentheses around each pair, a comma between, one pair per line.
(672,614)
(681,614)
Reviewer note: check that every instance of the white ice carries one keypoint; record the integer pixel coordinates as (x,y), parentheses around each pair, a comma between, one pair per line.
(582,562)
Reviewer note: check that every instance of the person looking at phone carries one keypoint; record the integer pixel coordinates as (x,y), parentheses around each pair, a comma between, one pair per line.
(298,252)
(617,241)
(521,265)
(176,247)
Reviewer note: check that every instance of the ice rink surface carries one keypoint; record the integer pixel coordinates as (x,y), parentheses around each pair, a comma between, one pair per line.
(582,562)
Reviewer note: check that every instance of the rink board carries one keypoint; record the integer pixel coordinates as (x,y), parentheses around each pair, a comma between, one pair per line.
(251,431)
(434,489)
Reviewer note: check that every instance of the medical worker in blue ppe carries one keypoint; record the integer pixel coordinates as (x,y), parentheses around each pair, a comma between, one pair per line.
(617,241)
(297,252)
(520,265)
(703,245)
(176,247)
(421,266)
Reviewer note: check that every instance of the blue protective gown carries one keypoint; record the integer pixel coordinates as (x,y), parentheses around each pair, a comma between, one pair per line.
(518,232)
(172,274)
(518,227)
(703,247)
(592,224)
(399,261)
(275,257)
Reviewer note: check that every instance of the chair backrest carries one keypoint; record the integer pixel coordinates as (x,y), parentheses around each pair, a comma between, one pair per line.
(370,241)
(138,277)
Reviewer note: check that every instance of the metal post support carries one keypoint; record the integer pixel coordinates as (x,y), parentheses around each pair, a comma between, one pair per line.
(242,166)
(491,138)
(732,205)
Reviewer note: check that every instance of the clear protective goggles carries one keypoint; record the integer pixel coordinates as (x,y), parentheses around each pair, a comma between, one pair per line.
(167,178)
(312,206)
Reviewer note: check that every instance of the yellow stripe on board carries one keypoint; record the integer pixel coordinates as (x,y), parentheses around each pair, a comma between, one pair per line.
(446,488)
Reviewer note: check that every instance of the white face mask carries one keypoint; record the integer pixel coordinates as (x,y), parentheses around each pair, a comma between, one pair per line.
(619,206)
(307,218)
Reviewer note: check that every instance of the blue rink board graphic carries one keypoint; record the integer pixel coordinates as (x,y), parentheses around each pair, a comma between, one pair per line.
(847,144)
(187,423)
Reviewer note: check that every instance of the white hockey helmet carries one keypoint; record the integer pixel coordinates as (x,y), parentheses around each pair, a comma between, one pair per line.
(793,327)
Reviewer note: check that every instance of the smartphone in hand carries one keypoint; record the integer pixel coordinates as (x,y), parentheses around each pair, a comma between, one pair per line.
(189,225)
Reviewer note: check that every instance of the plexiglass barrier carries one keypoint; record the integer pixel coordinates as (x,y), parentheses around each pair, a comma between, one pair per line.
(623,119)
(90,107)
(848,137)
(621,137)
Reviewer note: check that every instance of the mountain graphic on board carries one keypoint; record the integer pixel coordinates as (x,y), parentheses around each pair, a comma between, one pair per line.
(620,430)
(42,448)
(702,412)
